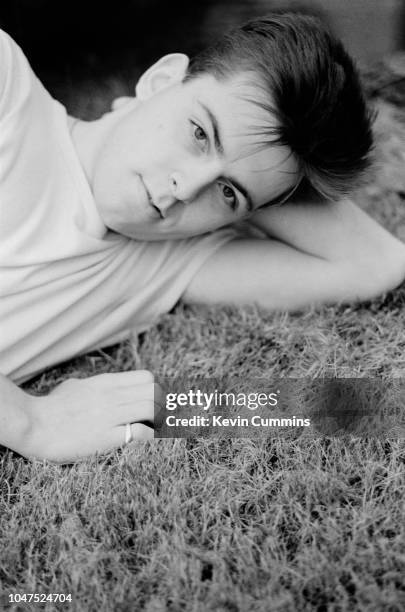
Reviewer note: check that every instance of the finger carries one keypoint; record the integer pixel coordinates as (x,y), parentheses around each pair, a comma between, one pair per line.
(140,410)
(139,431)
(117,437)
(129,378)
(132,395)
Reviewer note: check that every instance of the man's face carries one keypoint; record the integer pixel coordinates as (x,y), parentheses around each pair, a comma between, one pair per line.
(187,160)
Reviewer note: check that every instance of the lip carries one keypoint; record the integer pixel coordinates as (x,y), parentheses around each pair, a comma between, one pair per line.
(156,212)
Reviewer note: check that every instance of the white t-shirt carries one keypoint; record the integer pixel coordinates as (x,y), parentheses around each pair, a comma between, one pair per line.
(67,285)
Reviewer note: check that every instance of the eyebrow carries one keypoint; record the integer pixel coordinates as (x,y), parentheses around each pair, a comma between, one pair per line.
(220,149)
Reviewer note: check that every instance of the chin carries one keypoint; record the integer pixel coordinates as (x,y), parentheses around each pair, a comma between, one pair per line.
(143,236)
(157,237)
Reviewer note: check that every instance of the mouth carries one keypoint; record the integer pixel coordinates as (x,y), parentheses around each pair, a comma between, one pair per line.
(150,201)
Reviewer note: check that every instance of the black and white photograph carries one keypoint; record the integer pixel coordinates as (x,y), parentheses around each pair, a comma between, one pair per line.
(202,306)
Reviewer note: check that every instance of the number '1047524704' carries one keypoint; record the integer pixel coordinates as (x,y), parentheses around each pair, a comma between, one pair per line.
(39,597)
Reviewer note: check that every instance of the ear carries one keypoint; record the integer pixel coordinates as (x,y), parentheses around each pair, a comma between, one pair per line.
(120,102)
(170,69)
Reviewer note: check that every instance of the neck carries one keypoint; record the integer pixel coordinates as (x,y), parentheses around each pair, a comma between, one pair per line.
(89,138)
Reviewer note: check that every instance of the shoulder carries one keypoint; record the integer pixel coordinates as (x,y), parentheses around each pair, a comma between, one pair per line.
(16,76)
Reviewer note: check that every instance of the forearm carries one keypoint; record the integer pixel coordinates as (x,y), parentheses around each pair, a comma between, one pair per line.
(315,253)
(340,233)
(331,231)
(14,419)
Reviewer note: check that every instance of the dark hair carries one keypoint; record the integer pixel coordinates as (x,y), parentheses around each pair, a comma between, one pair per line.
(311,86)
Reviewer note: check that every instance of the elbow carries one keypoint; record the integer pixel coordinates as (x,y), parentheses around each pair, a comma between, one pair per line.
(380,274)
(387,280)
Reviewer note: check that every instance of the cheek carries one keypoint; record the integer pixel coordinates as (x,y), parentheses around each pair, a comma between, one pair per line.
(111,183)
(208,214)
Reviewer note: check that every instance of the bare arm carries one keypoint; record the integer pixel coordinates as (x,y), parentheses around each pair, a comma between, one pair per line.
(79,418)
(331,230)
(14,421)
(315,253)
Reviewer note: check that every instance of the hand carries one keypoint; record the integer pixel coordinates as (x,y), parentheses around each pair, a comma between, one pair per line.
(82,417)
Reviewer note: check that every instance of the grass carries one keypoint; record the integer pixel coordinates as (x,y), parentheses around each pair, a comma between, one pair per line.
(197,525)
(228,525)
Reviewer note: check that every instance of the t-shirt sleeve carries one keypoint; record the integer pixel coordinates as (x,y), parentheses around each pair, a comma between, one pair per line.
(119,291)
(156,274)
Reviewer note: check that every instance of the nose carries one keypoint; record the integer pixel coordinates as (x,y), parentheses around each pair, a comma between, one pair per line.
(187,183)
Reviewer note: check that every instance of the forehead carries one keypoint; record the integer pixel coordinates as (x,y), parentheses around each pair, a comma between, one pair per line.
(235,98)
(245,131)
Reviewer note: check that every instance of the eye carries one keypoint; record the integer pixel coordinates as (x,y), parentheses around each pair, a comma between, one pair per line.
(229,196)
(199,134)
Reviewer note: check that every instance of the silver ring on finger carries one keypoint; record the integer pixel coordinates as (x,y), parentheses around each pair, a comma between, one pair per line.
(128,433)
